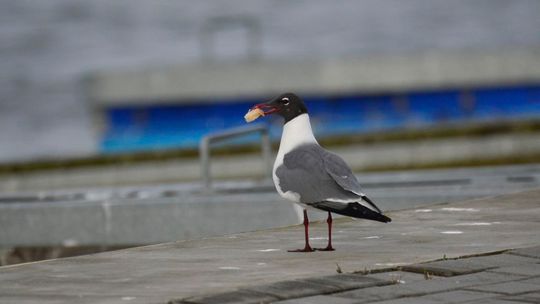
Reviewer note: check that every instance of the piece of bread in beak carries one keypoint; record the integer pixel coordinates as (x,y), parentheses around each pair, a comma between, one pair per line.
(253,114)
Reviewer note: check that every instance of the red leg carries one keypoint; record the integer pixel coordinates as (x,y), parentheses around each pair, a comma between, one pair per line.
(307,248)
(329,246)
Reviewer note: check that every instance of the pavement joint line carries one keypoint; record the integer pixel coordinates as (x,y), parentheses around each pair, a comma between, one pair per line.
(490,253)
(376,270)
(221,297)
(327,289)
(417,268)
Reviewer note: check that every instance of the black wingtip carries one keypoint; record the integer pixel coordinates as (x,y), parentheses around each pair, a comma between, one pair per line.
(371,203)
(353,210)
(386,218)
(379,217)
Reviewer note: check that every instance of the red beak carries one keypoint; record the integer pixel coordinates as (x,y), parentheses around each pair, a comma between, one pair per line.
(266,108)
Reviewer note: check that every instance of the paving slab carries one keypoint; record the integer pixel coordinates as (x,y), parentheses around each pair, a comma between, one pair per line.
(533,280)
(494,301)
(501,260)
(369,295)
(453,267)
(293,289)
(419,288)
(415,300)
(446,268)
(351,281)
(401,277)
(532,297)
(460,296)
(528,269)
(319,300)
(507,288)
(533,252)
(236,297)
(483,278)
(235,265)
(426,287)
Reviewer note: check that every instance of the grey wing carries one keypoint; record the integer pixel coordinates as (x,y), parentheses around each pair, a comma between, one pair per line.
(340,172)
(305,171)
(343,176)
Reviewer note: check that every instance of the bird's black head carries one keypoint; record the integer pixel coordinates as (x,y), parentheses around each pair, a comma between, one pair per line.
(286,105)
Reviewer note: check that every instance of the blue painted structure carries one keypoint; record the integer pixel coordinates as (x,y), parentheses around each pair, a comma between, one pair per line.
(182,125)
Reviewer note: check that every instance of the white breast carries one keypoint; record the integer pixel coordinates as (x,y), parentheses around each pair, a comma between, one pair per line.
(296,132)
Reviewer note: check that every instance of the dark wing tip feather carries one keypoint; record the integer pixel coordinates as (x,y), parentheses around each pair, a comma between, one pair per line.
(371,203)
(351,209)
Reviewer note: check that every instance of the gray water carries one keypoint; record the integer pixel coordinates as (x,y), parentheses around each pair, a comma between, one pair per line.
(47,47)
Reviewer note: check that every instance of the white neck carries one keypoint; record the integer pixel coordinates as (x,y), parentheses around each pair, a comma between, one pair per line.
(296,132)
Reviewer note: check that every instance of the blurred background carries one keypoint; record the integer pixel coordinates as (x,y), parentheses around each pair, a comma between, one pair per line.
(103,106)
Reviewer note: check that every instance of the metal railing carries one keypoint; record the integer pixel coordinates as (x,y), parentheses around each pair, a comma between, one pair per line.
(208,140)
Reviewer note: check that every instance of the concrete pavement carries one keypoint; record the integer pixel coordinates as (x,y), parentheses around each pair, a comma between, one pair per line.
(236,267)
(512,276)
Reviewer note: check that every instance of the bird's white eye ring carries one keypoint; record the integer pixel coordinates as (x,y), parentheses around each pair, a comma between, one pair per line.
(285,100)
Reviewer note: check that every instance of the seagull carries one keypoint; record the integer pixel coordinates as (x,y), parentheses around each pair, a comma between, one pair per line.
(307,174)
